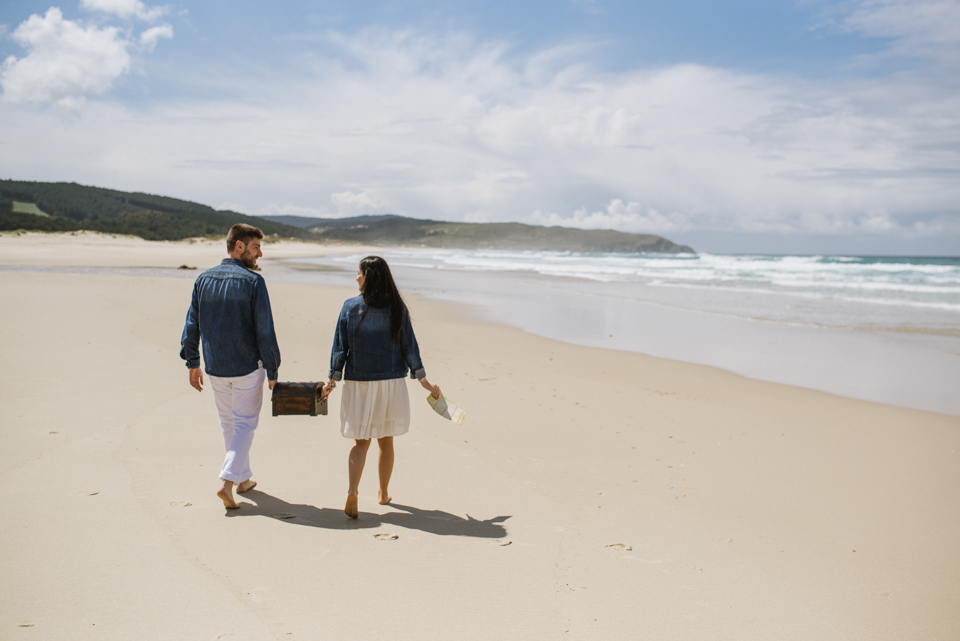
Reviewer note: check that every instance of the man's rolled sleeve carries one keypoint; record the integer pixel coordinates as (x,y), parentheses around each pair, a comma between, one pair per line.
(190,339)
(266,335)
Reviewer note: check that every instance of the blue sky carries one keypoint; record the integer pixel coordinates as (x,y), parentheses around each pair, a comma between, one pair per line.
(736,126)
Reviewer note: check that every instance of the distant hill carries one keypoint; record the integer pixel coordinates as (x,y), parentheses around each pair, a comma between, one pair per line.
(69,206)
(309,222)
(397,230)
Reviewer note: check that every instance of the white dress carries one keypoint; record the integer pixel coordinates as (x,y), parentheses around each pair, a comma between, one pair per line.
(374,409)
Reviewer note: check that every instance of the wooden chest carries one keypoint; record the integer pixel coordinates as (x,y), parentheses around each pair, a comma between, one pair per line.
(298,398)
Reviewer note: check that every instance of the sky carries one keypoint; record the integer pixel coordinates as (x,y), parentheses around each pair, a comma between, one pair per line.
(739,126)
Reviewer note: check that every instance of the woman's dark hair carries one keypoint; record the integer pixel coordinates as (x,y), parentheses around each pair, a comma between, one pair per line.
(380,291)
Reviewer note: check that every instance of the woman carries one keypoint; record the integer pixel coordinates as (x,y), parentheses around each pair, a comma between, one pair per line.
(375,342)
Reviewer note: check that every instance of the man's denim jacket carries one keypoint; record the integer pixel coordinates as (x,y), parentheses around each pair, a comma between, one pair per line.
(230,311)
(363,344)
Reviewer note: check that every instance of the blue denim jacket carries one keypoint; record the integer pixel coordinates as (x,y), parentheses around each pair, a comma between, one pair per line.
(362,343)
(230,311)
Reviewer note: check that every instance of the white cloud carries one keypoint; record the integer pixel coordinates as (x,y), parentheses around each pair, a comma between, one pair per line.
(918,27)
(357,203)
(66,60)
(448,128)
(149,38)
(631,217)
(125,8)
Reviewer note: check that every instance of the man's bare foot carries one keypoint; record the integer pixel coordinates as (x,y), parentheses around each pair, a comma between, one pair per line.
(226,495)
(383,497)
(351,508)
(246,486)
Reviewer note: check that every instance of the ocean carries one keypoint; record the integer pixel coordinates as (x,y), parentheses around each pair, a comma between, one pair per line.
(879,328)
(876,292)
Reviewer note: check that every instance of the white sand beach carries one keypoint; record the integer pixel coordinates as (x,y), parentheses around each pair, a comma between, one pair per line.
(590,494)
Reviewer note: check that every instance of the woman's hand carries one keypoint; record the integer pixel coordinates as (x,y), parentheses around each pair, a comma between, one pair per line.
(327,388)
(433,389)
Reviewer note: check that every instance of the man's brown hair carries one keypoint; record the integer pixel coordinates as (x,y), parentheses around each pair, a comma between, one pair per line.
(242,232)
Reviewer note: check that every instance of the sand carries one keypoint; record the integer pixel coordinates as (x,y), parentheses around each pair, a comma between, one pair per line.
(590,494)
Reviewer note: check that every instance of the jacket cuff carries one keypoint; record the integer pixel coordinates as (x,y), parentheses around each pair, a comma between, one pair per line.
(193,364)
(335,375)
(418,373)
(271,374)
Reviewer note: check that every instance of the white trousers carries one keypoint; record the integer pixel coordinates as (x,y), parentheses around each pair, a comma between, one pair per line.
(239,399)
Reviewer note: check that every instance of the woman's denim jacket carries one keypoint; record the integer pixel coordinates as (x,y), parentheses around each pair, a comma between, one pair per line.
(363,344)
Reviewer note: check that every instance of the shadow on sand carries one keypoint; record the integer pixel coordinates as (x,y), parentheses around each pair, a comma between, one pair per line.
(411,518)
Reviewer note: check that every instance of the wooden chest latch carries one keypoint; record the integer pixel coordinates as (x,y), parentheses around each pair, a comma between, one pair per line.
(298,398)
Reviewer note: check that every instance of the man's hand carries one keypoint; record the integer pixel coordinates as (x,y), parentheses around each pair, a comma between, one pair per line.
(196,379)
(272,383)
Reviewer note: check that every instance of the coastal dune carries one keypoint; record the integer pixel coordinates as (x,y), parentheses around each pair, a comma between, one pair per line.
(590,494)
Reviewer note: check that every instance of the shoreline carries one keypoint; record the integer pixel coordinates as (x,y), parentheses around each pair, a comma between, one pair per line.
(591,493)
(900,368)
(904,369)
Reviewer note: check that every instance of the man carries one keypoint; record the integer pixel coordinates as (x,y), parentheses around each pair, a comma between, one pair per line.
(230,313)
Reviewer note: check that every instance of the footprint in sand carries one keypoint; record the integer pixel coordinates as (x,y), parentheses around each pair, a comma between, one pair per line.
(92,493)
(501,542)
(180,504)
(386,537)
(620,546)
(283,515)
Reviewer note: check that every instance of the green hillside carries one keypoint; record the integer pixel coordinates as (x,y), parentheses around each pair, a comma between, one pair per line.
(70,207)
(28,208)
(413,232)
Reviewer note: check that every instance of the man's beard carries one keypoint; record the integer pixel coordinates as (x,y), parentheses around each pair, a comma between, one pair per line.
(249,259)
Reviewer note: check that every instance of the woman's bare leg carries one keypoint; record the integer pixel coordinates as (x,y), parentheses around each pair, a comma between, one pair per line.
(358,456)
(385,467)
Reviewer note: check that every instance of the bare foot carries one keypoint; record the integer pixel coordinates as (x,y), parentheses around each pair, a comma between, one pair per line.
(383,497)
(246,486)
(351,508)
(226,495)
